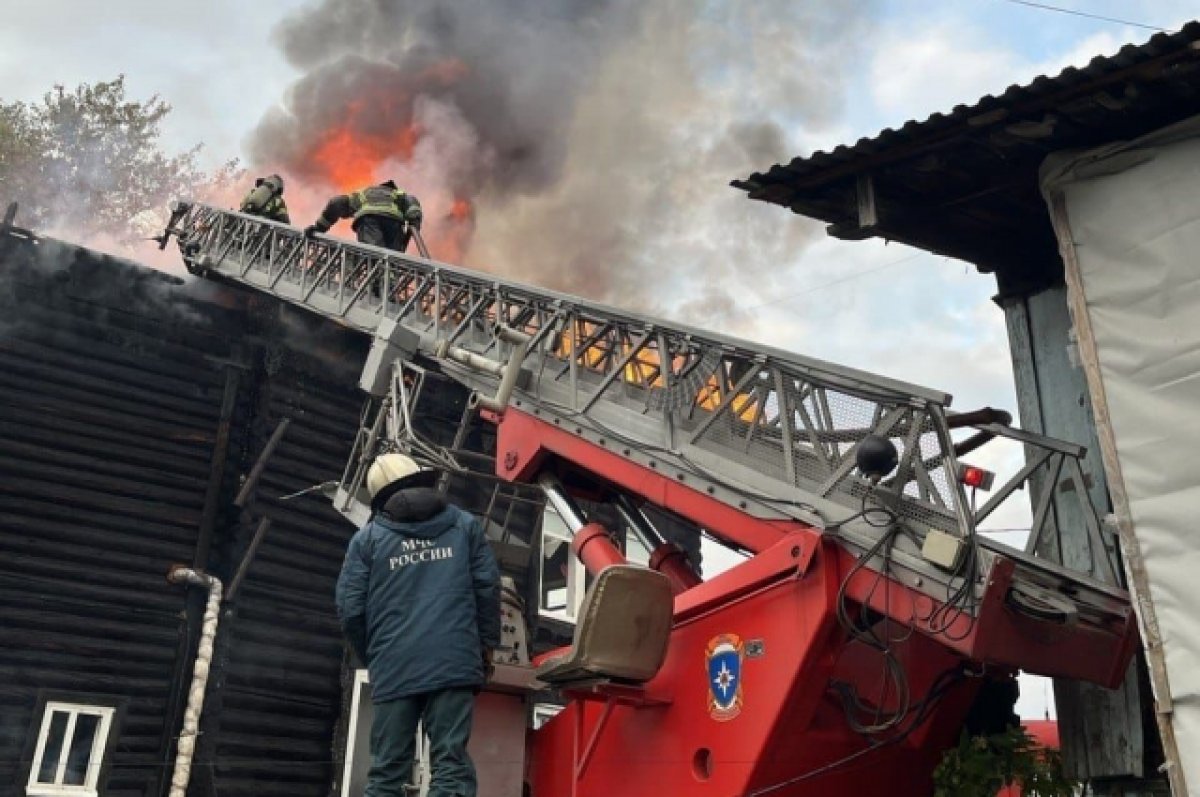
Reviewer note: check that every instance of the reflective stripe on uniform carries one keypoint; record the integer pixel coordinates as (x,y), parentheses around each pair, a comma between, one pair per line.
(275,208)
(376,201)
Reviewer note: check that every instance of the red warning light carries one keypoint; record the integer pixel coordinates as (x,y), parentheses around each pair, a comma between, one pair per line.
(975,477)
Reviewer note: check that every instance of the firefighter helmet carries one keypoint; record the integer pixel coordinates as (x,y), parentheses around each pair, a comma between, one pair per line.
(392,472)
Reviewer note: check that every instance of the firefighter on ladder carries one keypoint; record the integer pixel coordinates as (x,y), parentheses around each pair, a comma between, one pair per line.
(419,601)
(383,215)
(266,199)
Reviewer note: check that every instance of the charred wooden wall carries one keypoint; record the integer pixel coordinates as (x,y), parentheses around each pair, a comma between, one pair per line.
(133,406)
(110,397)
(130,410)
(278,697)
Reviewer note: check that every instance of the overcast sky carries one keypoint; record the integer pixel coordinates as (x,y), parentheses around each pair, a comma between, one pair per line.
(923,319)
(888,309)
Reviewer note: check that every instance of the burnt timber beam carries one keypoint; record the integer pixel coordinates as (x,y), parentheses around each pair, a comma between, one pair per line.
(208,516)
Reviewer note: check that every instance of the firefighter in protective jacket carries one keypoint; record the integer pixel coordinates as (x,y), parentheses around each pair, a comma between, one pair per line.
(419,602)
(383,215)
(266,199)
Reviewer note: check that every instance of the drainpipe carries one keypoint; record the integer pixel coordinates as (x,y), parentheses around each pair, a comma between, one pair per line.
(204,655)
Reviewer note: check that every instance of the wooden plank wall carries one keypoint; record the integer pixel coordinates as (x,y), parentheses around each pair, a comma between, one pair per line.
(1103,731)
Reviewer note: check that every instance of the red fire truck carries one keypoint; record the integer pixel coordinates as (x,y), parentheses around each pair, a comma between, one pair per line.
(867,617)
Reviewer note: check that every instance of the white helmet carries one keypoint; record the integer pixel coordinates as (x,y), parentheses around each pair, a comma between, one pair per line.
(392,472)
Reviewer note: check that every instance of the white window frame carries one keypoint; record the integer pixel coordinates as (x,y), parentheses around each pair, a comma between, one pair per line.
(357,698)
(576,572)
(635,551)
(95,762)
(543,713)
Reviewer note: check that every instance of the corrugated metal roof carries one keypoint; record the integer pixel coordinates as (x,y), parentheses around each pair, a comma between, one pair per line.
(1042,92)
(965,183)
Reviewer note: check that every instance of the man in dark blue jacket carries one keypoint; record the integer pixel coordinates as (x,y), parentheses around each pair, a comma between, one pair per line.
(419,601)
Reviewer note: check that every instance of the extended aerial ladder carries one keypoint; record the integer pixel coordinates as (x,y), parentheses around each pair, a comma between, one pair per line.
(852,638)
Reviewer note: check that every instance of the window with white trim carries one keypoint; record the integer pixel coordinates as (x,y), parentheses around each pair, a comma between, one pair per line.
(636,552)
(70,750)
(543,713)
(563,578)
(358,737)
(717,557)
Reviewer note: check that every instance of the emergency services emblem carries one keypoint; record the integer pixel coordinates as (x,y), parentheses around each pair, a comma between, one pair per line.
(723,658)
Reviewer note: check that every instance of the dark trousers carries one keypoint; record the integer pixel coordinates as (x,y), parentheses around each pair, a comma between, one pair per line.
(382,231)
(447,722)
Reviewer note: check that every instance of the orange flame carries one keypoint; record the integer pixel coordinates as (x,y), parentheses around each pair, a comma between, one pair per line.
(350,160)
(450,237)
(644,371)
(461,209)
(377,128)
(374,134)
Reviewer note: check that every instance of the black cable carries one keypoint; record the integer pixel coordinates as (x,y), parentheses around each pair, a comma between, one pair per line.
(862,631)
(865,513)
(940,686)
(1073,12)
(962,601)
(958,602)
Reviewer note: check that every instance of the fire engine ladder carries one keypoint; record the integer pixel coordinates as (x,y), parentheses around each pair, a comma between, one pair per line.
(771,433)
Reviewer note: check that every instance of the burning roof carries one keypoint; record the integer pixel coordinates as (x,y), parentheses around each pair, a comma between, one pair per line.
(577,146)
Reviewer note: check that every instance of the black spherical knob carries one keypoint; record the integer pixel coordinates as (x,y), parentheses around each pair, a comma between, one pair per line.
(876,457)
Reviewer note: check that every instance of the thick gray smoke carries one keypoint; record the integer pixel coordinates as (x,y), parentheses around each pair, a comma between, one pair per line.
(594,141)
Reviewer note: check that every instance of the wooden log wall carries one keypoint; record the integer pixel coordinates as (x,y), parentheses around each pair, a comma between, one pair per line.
(279,697)
(112,385)
(110,395)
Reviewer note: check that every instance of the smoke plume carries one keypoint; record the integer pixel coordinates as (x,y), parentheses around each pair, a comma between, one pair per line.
(582,145)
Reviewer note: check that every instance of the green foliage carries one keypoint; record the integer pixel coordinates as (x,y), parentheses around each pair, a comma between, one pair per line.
(981,765)
(89,161)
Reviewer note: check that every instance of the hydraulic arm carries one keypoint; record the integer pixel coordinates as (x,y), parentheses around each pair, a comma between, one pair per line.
(867,601)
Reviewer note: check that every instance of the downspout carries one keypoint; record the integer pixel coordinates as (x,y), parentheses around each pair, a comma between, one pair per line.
(186,747)
(173,715)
